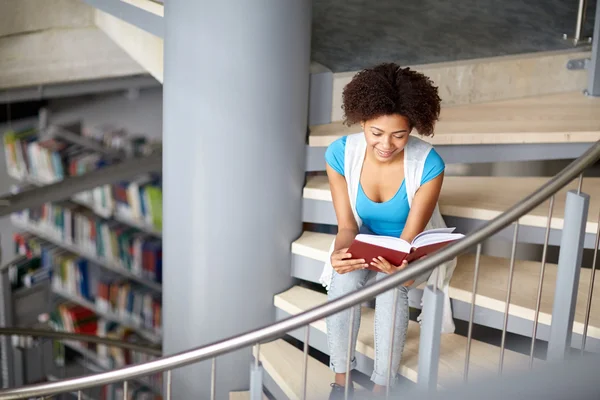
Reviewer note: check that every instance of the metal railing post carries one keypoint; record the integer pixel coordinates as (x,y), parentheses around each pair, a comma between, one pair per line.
(429,342)
(7,367)
(567,277)
(593,88)
(256,377)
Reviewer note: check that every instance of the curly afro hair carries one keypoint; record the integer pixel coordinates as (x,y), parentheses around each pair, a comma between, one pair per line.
(389,89)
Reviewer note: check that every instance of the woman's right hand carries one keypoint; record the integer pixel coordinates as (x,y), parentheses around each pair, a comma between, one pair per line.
(342,262)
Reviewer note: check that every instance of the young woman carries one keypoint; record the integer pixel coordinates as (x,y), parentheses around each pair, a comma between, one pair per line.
(385,182)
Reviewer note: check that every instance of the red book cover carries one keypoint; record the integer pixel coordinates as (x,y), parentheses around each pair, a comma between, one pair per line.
(368,251)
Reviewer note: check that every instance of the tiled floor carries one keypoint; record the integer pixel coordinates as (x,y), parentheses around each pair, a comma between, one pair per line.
(353,34)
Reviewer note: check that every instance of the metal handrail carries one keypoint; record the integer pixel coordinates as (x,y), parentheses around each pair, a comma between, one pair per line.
(278,329)
(51,334)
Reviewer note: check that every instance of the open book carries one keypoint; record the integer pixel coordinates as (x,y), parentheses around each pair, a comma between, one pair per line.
(396,250)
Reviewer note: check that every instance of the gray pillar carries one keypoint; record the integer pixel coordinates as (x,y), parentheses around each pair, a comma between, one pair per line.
(567,276)
(594,66)
(235,121)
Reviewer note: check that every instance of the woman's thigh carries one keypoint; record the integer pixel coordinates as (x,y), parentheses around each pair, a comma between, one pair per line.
(342,284)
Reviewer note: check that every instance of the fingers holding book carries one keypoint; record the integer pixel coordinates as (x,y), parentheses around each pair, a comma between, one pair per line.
(385,266)
(342,262)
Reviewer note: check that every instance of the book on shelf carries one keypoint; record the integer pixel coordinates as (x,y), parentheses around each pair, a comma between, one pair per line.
(110,294)
(396,250)
(38,159)
(73,318)
(119,244)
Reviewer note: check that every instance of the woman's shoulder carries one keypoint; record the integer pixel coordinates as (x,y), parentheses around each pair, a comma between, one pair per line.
(434,158)
(339,143)
(335,154)
(337,147)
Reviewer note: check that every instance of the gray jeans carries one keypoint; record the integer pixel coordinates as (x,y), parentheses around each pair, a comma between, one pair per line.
(338,325)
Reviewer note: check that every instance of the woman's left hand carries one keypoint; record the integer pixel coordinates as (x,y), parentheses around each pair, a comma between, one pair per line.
(388,268)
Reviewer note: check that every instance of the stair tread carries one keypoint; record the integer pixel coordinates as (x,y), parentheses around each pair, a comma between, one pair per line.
(491,286)
(486,197)
(483,360)
(243,395)
(559,118)
(283,362)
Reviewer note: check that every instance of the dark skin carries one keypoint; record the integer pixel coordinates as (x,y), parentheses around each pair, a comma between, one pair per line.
(381,177)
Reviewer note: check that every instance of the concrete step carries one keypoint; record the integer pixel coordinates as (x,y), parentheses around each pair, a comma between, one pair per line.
(466,202)
(310,251)
(554,118)
(283,362)
(557,126)
(484,358)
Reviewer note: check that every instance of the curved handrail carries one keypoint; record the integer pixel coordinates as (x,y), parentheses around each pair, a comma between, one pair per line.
(51,334)
(277,329)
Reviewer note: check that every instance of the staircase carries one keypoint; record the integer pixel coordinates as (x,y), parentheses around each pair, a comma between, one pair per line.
(545,127)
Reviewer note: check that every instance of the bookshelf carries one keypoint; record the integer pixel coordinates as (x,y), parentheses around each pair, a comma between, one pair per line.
(104,213)
(51,237)
(111,316)
(101,249)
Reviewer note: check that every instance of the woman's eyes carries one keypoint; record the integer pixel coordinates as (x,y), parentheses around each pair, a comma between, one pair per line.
(377,134)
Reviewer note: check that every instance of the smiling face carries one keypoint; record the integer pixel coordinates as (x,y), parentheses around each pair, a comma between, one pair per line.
(386,136)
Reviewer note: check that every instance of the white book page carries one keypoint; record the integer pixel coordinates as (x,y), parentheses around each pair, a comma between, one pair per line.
(432,231)
(389,242)
(436,236)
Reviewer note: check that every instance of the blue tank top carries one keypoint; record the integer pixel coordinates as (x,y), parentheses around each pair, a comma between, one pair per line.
(387,218)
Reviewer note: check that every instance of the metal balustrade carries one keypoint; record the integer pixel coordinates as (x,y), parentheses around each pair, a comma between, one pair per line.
(65,337)
(576,210)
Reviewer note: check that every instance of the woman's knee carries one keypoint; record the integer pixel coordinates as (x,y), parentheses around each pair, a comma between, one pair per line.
(403,291)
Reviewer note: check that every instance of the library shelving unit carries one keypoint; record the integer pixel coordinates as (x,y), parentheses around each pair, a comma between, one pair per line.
(100,250)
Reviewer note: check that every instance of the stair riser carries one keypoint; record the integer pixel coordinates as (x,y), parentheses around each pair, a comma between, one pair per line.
(491,79)
(484,153)
(322,212)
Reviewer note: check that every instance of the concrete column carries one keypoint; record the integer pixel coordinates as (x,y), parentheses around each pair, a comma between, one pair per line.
(235,122)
